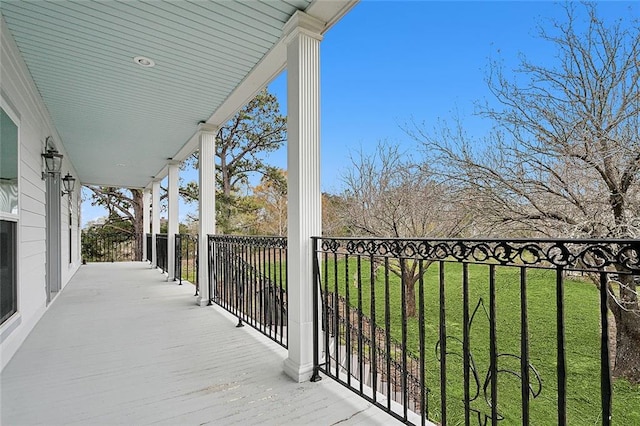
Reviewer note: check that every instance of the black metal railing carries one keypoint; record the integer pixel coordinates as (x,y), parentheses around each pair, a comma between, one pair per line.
(249,279)
(162,249)
(186,254)
(475,331)
(149,240)
(110,247)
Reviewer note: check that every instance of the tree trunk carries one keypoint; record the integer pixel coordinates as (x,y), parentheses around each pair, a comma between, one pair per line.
(409,279)
(627,316)
(410,297)
(138,221)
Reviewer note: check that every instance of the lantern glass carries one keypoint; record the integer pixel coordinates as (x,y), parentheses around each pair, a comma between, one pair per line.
(69,183)
(52,161)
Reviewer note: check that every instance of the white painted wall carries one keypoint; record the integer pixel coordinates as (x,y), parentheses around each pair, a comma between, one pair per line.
(21,99)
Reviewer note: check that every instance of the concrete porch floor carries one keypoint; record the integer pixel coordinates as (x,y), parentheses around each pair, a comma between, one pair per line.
(121,345)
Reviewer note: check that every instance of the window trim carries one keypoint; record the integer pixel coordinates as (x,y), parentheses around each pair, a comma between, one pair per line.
(10,110)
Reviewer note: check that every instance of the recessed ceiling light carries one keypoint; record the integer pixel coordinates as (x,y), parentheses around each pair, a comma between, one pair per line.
(144,62)
(121,165)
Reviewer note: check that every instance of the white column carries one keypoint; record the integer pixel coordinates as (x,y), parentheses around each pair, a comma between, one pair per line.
(155,221)
(172,219)
(302,35)
(146,223)
(207,211)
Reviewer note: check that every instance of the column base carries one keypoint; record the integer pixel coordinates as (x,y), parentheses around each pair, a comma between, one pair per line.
(299,373)
(202,301)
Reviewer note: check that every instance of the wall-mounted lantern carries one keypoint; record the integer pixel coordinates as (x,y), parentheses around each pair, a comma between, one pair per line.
(68,184)
(52,160)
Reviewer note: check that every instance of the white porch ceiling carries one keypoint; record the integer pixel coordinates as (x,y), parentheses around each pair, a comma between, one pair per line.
(120,122)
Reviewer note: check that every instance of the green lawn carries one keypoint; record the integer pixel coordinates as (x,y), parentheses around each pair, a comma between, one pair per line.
(582,339)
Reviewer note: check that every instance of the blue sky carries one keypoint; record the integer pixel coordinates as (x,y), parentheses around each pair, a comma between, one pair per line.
(388,63)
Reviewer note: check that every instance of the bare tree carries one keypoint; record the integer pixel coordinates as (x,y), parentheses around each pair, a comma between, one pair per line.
(390,195)
(333,223)
(564,158)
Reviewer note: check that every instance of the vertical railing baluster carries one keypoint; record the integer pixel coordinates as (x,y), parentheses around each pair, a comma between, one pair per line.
(241,280)
(259,320)
(210,268)
(182,253)
(256,284)
(387,329)
(443,346)
(347,314)
(185,246)
(466,344)
(373,330)
(524,346)
(272,290)
(493,345)
(221,258)
(360,331)
(561,353)
(286,295)
(233,274)
(264,279)
(240,272)
(197,261)
(336,314)
(265,289)
(317,285)
(281,294)
(275,321)
(404,314)
(177,267)
(605,366)
(228,298)
(423,400)
(328,330)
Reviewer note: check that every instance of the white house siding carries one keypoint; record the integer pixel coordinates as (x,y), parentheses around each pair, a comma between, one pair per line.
(21,100)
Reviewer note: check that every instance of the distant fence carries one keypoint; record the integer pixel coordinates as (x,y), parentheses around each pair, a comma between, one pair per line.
(112,247)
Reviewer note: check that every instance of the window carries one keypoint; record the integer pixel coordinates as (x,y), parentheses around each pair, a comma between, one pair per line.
(9,299)
(8,165)
(8,216)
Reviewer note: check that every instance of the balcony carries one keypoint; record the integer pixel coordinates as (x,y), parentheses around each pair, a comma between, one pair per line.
(122,345)
(504,331)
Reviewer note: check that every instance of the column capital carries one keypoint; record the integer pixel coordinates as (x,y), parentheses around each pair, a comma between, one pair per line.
(303,23)
(208,128)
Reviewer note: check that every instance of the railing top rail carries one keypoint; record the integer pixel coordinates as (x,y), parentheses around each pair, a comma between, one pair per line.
(630,241)
(255,240)
(270,237)
(580,255)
